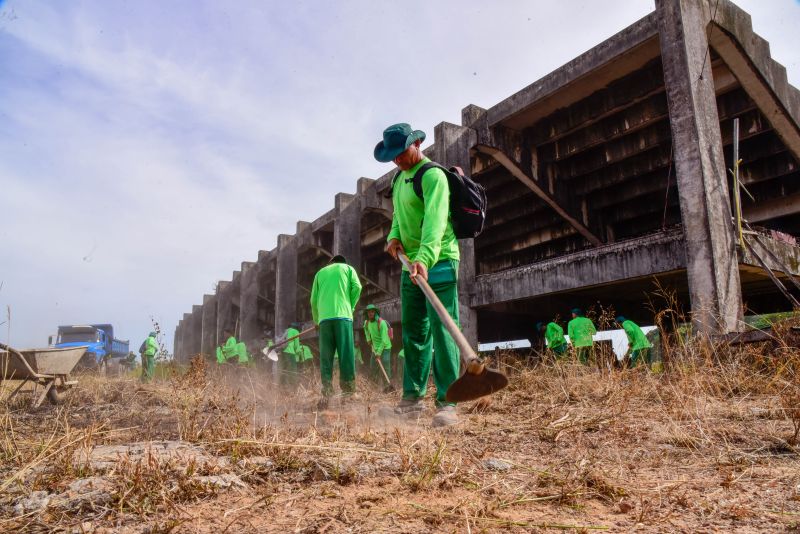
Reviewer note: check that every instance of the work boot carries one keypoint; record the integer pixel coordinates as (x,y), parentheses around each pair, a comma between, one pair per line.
(409,407)
(322,404)
(348,398)
(445,416)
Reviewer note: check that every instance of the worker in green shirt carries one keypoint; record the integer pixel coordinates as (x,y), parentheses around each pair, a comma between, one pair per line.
(334,296)
(290,356)
(149,357)
(422,229)
(638,344)
(554,336)
(580,331)
(232,351)
(376,330)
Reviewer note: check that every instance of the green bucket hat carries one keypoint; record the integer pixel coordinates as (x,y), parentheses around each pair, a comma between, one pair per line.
(371,307)
(396,139)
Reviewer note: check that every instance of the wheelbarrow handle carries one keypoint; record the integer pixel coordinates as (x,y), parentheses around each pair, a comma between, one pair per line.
(471,361)
(19,355)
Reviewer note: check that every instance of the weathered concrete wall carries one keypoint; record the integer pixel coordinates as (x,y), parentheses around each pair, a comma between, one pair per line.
(209,341)
(606,174)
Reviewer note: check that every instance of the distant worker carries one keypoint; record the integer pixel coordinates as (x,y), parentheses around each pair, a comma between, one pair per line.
(638,344)
(334,296)
(423,230)
(553,334)
(376,330)
(580,330)
(150,347)
(290,356)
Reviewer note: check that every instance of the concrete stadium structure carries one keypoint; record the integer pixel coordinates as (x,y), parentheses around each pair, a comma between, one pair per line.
(605,178)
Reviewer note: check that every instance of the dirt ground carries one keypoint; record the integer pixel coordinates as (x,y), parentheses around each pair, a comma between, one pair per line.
(703,447)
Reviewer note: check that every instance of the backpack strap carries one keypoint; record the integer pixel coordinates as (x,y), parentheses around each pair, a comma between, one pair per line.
(416,181)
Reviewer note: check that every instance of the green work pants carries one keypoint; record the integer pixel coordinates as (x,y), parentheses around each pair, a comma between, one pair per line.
(336,337)
(289,374)
(559,350)
(148,367)
(423,331)
(584,354)
(640,355)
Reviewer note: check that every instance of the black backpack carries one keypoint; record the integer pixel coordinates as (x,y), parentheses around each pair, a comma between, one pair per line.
(467,200)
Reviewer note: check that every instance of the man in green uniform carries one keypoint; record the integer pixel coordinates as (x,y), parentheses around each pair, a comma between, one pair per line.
(554,336)
(334,296)
(422,230)
(580,330)
(376,330)
(638,344)
(149,357)
(290,356)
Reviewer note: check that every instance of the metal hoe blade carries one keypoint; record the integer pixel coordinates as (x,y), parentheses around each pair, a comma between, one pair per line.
(473,386)
(272,355)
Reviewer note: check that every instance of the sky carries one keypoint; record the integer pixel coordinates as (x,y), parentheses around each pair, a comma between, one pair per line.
(148,148)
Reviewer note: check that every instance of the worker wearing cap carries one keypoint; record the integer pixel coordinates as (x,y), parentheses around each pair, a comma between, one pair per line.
(422,230)
(376,330)
(638,344)
(580,330)
(554,336)
(334,296)
(149,357)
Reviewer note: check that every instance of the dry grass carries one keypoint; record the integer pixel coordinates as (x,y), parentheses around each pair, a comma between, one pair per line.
(711,443)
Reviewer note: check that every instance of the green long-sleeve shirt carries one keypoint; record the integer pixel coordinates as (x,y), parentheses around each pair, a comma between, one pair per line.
(335,293)
(150,346)
(580,331)
(293,347)
(229,349)
(554,335)
(377,334)
(424,227)
(636,338)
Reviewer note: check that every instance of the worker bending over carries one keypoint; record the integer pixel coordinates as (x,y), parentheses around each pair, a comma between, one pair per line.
(580,330)
(150,347)
(554,336)
(638,344)
(376,330)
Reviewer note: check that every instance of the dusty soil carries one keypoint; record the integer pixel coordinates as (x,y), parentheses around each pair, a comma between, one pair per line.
(697,449)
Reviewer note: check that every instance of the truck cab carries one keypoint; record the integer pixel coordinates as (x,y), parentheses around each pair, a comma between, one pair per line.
(93,338)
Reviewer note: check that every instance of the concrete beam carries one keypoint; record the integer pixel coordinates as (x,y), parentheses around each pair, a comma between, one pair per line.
(514,167)
(285,284)
(623,260)
(773,208)
(713,276)
(209,342)
(624,52)
(748,56)
(779,256)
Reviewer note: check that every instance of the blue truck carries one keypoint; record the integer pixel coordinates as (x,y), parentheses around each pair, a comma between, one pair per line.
(100,340)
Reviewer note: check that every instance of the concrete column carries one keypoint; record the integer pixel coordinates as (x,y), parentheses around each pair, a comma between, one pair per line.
(285,284)
(208,342)
(347,229)
(712,265)
(224,310)
(249,328)
(453,144)
(176,342)
(186,338)
(197,328)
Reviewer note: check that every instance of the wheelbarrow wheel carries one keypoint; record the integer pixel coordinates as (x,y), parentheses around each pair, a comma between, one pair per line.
(57,394)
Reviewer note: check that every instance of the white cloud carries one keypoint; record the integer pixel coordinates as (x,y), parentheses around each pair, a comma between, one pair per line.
(146,149)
